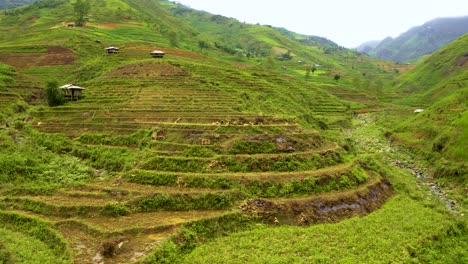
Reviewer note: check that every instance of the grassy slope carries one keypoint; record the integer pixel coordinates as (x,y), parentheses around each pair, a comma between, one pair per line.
(440,85)
(259,46)
(413,227)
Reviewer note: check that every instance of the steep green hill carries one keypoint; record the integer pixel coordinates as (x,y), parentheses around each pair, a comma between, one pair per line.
(439,85)
(420,40)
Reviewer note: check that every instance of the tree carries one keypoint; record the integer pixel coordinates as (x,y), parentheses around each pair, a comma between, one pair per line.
(313,69)
(203,45)
(81,8)
(307,73)
(53,94)
(173,38)
(286,56)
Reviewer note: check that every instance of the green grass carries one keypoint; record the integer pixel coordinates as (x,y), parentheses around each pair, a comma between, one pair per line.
(31,240)
(407,227)
(24,249)
(394,233)
(25,164)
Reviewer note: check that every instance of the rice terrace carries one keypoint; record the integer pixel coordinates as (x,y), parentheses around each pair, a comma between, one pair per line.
(239,143)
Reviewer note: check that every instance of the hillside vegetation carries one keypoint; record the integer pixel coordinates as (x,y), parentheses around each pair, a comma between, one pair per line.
(439,86)
(240,132)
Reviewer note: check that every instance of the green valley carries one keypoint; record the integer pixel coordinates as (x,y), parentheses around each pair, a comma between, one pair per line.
(244,143)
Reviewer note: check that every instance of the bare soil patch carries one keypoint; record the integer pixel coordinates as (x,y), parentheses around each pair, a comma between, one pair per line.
(55,56)
(462,61)
(152,69)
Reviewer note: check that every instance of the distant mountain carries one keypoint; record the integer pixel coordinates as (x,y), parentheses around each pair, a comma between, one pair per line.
(419,41)
(368,46)
(307,39)
(5,4)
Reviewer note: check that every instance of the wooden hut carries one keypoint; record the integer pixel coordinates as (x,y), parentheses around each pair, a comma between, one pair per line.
(112,49)
(157,54)
(72,91)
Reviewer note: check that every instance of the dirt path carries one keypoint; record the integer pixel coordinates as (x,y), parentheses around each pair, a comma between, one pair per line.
(368,138)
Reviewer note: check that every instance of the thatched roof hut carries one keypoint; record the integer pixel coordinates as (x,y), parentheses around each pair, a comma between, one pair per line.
(157,54)
(72,91)
(112,49)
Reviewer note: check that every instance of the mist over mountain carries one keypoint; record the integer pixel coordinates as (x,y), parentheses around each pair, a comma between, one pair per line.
(368,46)
(418,41)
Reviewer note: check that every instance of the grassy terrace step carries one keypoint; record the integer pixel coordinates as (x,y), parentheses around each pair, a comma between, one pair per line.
(131,224)
(40,232)
(221,124)
(122,115)
(109,188)
(154,97)
(139,223)
(75,129)
(295,161)
(266,184)
(204,180)
(79,204)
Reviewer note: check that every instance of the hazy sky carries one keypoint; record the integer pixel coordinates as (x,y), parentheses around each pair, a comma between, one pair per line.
(346,22)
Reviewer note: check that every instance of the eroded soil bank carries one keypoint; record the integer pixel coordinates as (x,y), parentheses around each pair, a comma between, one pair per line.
(323,208)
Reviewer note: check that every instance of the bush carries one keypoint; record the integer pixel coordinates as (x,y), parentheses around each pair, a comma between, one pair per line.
(199,152)
(54,95)
(115,209)
(252,147)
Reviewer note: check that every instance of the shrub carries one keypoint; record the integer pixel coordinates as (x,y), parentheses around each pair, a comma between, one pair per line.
(440,143)
(252,147)
(198,151)
(115,209)
(54,95)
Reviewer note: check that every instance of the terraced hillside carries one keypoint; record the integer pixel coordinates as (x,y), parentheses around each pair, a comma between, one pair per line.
(174,151)
(181,140)
(174,142)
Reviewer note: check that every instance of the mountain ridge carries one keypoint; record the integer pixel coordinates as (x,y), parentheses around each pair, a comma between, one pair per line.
(419,40)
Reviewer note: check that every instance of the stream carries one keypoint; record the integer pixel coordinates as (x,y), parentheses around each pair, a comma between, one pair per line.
(368,138)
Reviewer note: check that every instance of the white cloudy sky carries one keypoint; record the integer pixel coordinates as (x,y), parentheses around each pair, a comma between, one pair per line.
(346,22)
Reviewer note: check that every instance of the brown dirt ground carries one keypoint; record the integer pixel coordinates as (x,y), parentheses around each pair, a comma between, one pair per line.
(332,207)
(55,56)
(152,69)
(463,60)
